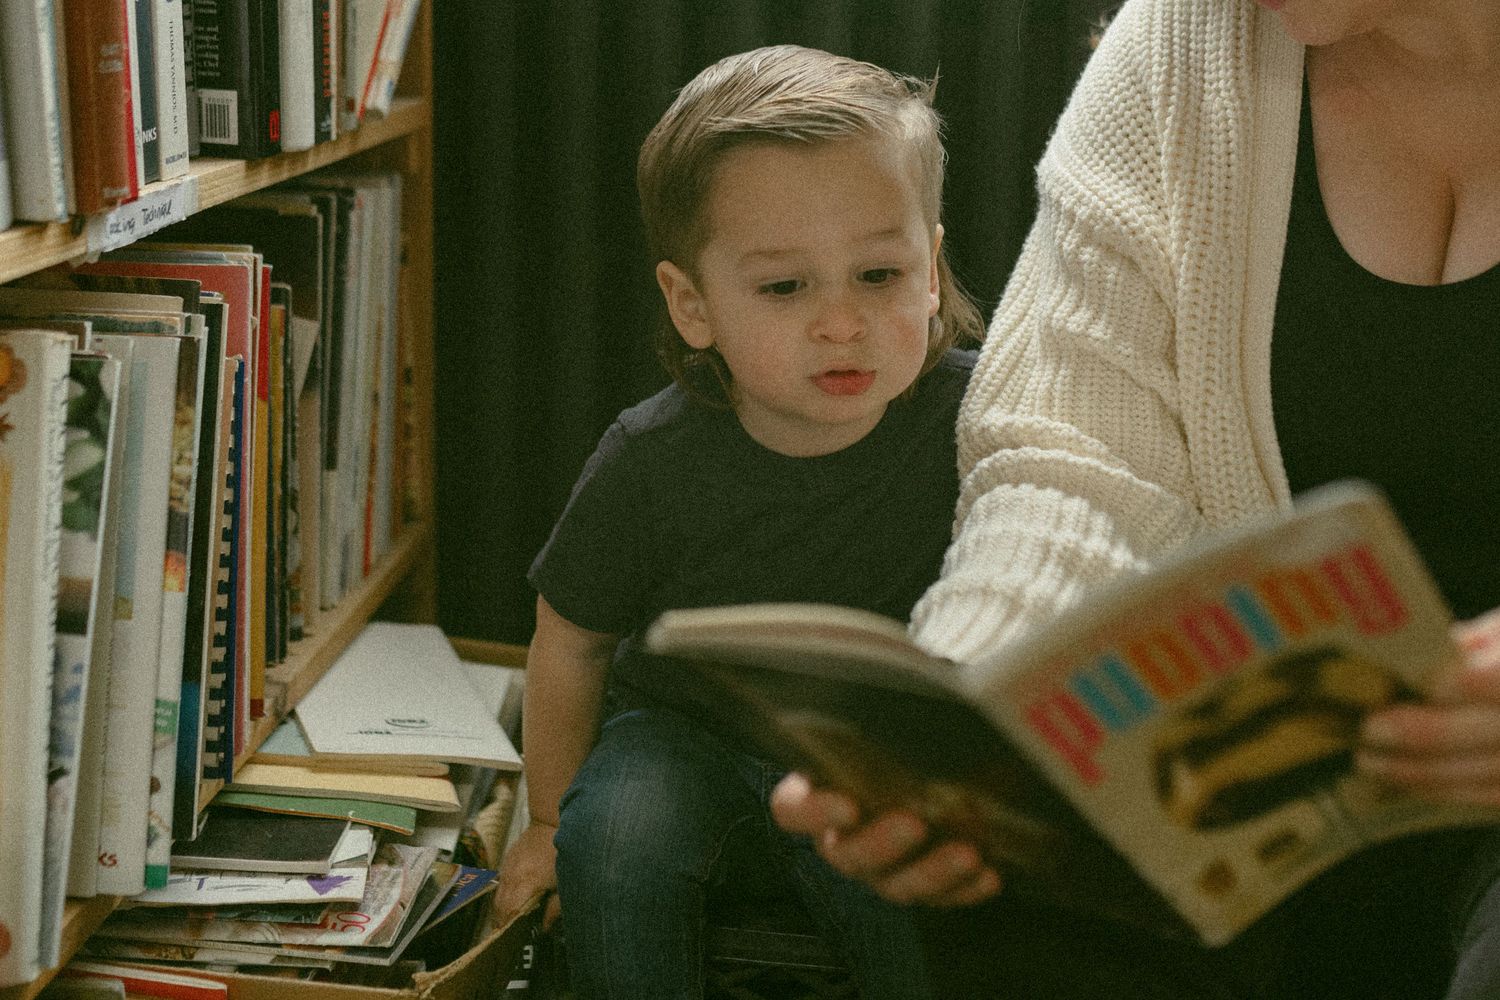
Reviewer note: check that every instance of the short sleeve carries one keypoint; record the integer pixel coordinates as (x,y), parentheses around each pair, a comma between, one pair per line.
(594,566)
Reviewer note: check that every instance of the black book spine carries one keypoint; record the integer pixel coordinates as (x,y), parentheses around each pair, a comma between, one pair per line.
(265,56)
(325,109)
(190,79)
(234,117)
(145,51)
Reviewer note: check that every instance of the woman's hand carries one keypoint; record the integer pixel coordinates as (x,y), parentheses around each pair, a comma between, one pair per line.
(529,868)
(1450,748)
(886,852)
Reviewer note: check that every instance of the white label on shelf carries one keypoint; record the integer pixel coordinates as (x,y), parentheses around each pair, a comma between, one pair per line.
(158,206)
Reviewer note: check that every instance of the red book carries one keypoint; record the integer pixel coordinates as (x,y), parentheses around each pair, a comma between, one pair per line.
(149,982)
(99,103)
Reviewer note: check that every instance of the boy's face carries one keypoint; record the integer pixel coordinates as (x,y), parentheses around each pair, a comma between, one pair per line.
(816,285)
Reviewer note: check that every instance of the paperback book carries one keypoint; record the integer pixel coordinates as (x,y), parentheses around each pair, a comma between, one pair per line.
(1175,752)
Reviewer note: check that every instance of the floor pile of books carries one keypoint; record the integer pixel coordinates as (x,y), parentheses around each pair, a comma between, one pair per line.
(362,864)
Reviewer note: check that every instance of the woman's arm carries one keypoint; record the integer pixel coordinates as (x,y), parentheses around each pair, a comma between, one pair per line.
(565,671)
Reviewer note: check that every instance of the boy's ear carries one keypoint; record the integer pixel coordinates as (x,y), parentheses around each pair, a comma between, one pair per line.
(685,305)
(934,286)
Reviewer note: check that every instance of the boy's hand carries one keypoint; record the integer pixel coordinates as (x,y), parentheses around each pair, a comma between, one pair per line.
(529,867)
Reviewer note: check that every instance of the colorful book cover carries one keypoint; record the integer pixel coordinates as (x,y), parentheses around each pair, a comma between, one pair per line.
(33,399)
(93,387)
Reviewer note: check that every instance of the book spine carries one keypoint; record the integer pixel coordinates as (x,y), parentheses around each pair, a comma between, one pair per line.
(218,706)
(143,79)
(299,77)
(31,485)
(33,124)
(393,53)
(203,560)
(98,91)
(83,868)
(171,88)
(325,66)
(229,119)
(267,35)
(180,511)
(138,617)
(6,214)
(190,79)
(93,384)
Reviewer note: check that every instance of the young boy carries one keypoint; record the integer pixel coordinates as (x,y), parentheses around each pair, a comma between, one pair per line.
(804,452)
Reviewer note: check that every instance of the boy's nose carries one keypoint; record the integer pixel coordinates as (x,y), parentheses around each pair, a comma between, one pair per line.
(839,321)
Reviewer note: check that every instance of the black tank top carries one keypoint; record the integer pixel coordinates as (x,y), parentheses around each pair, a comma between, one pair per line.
(1398,384)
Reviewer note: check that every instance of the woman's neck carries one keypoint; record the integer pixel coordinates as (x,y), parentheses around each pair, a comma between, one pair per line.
(1434,41)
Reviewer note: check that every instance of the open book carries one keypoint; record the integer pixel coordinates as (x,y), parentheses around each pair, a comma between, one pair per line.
(1175,752)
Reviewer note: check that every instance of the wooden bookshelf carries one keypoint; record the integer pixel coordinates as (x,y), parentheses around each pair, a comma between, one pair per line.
(403,582)
(28,248)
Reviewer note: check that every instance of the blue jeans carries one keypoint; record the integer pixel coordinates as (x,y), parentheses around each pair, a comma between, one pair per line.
(659,818)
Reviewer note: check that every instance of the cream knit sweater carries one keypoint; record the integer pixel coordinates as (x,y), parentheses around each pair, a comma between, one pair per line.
(1122,401)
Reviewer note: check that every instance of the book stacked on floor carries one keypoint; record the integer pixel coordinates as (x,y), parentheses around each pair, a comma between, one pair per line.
(99,99)
(258,890)
(200,453)
(345,863)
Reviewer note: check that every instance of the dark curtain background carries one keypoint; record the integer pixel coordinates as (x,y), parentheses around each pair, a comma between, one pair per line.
(544,293)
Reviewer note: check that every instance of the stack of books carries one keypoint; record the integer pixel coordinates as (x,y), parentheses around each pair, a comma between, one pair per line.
(336,852)
(100,99)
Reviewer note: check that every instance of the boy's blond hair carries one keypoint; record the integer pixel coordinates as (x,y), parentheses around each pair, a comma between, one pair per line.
(782,94)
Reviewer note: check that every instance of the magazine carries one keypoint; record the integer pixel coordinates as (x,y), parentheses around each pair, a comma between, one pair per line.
(1177,751)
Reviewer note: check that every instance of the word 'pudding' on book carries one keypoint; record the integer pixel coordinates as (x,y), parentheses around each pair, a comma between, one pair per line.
(1177,751)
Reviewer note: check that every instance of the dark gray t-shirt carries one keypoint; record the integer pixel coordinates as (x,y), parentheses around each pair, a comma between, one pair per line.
(679,507)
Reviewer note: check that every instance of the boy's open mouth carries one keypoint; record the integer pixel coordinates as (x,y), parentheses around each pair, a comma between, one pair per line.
(844,381)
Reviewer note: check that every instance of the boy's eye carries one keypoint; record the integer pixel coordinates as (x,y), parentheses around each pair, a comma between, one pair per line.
(880,275)
(781,288)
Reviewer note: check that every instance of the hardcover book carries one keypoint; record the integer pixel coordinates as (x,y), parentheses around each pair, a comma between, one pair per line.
(32,110)
(1176,752)
(238,106)
(100,107)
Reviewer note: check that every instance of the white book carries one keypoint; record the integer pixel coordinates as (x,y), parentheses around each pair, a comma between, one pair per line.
(363,28)
(33,402)
(171,89)
(141,556)
(64,115)
(33,111)
(83,865)
(5,211)
(174,619)
(298,76)
(93,386)
(387,71)
(401,690)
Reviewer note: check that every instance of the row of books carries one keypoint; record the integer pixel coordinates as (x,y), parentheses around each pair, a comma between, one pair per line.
(99,98)
(199,452)
(354,850)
